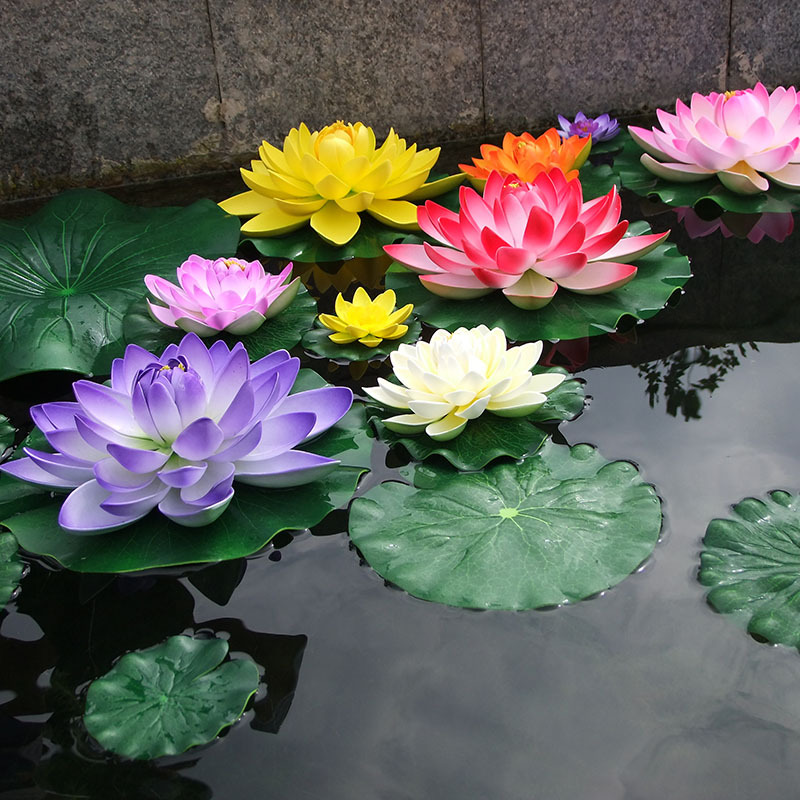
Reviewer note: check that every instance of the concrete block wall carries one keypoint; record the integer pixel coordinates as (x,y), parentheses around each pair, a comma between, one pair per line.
(100,92)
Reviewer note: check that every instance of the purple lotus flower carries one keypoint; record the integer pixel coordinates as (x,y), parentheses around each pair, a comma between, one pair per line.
(223,295)
(601,128)
(175,432)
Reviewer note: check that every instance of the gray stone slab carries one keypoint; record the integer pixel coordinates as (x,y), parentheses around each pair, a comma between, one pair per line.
(411,64)
(544,57)
(765,43)
(96,91)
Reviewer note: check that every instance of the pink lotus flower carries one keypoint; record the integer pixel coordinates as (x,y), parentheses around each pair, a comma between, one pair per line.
(738,136)
(224,295)
(526,239)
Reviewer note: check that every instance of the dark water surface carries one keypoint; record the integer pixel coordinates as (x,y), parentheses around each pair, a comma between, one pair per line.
(644,692)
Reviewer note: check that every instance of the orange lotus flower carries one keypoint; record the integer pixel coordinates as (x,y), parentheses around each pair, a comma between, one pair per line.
(527,156)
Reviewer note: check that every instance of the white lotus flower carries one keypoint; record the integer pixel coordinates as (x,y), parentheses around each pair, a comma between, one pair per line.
(457,376)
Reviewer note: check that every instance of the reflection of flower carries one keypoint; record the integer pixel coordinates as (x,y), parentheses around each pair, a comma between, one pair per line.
(369,321)
(369,272)
(175,432)
(224,295)
(738,136)
(601,128)
(526,239)
(775,225)
(457,376)
(327,177)
(527,156)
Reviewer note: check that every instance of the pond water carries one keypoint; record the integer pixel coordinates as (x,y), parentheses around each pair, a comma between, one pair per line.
(642,692)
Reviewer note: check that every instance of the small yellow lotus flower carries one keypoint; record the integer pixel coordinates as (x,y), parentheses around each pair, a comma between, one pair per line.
(369,321)
(327,177)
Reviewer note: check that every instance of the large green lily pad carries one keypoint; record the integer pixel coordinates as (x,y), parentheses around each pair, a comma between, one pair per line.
(560,526)
(568,316)
(281,332)
(69,272)
(11,568)
(317,341)
(633,175)
(168,698)
(751,561)
(490,437)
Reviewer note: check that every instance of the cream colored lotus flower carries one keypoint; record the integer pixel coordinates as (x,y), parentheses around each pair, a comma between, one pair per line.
(457,376)
(329,176)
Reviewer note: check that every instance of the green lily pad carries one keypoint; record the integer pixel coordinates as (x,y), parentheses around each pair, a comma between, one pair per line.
(636,177)
(168,698)
(560,526)
(490,437)
(316,341)
(596,179)
(568,316)
(751,561)
(11,568)
(281,332)
(69,272)
(7,434)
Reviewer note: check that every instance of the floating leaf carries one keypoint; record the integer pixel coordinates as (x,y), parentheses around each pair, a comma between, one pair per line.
(7,433)
(569,315)
(69,272)
(752,562)
(281,332)
(316,341)
(636,177)
(168,698)
(489,437)
(596,180)
(11,568)
(557,527)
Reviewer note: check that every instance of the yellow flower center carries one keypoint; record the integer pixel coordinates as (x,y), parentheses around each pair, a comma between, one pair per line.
(343,131)
(233,262)
(732,93)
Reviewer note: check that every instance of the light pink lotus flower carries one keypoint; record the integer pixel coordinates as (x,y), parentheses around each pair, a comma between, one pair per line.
(740,137)
(228,295)
(527,239)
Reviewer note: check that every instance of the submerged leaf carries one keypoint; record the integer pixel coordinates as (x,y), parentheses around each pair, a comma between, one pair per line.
(11,568)
(557,527)
(168,698)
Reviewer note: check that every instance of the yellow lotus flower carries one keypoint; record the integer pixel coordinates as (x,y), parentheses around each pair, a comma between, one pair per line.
(327,177)
(369,321)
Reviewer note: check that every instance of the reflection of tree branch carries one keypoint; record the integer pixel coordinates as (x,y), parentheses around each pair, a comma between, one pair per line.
(672,376)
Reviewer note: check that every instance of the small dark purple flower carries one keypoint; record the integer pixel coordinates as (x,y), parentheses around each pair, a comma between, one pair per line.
(601,128)
(175,432)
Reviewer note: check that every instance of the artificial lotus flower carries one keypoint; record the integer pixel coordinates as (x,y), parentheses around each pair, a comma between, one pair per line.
(368,321)
(527,156)
(527,239)
(601,128)
(327,177)
(457,376)
(228,295)
(175,431)
(775,225)
(742,137)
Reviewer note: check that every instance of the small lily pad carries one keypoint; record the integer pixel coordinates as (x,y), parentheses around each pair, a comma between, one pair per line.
(569,315)
(490,437)
(751,561)
(636,177)
(596,179)
(281,332)
(70,271)
(317,341)
(560,526)
(11,568)
(168,698)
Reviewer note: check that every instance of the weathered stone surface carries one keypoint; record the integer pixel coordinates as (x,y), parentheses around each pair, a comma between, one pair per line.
(104,87)
(414,65)
(764,43)
(545,57)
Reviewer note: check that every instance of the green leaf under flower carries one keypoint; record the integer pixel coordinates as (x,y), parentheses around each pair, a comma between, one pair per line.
(11,568)
(634,176)
(69,272)
(317,341)
(751,561)
(490,437)
(168,698)
(560,526)
(569,315)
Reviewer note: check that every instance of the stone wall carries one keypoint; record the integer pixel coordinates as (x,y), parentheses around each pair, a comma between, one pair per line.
(97,92)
